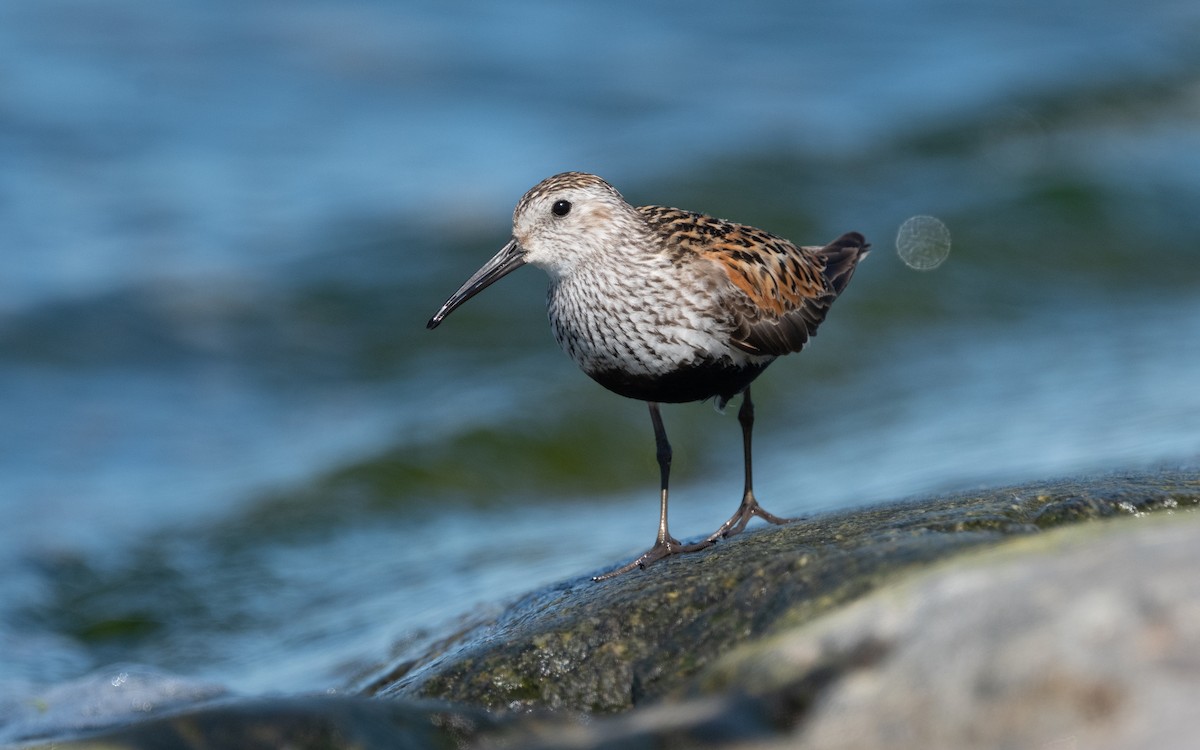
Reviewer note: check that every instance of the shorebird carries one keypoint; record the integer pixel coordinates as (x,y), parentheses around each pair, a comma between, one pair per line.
(668,306)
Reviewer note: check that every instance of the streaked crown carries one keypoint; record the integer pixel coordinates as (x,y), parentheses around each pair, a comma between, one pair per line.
(571,218)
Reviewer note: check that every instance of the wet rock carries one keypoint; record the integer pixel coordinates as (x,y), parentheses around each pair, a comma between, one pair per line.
(1083,637)
(1089,637)
(299,722)
(606,647)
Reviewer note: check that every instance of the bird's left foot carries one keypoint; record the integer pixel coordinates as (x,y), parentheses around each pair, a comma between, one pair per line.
(662,548)
(737,522)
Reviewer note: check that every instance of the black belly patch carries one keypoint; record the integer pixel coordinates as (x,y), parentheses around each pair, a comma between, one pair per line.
(695,383)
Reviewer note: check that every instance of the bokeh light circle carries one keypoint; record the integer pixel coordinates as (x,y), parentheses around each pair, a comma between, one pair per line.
(923,243)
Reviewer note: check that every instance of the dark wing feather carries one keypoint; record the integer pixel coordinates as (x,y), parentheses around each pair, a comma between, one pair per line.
(780,293)
(766,331)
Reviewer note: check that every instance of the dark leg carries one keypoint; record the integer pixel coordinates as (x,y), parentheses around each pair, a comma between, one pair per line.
(665,544)
(749,507)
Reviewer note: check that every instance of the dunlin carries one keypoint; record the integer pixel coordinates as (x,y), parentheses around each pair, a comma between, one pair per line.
(668,306)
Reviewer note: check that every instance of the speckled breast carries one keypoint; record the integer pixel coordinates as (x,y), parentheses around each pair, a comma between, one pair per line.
(643,339)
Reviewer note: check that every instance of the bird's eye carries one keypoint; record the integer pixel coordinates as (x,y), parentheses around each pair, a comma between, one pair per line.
(561,208)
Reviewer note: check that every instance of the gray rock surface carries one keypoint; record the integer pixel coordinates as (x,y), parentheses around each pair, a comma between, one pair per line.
(1087,638)
(606,647)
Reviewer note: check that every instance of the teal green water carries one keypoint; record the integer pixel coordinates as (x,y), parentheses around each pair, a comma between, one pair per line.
(232,452)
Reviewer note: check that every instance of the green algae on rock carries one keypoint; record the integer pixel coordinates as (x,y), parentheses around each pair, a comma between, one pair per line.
(606,647)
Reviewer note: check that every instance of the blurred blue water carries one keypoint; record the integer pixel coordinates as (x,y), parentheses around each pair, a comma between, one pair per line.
(222,226)
(146,140)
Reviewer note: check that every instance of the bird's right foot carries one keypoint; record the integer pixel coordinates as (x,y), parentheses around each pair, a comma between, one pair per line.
(748,509)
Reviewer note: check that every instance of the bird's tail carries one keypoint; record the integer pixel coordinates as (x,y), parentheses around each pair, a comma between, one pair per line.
(842,257)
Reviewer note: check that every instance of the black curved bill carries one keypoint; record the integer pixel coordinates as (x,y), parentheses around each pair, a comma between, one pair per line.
(510,258)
